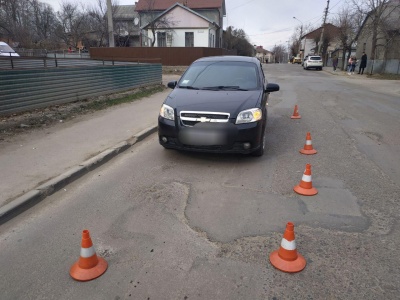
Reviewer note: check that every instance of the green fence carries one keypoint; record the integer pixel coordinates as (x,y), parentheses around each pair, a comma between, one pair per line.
(22,90)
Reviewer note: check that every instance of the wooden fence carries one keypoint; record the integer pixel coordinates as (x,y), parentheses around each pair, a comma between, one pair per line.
(167,56)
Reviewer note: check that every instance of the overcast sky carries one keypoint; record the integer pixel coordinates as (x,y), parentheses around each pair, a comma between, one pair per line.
(266,22)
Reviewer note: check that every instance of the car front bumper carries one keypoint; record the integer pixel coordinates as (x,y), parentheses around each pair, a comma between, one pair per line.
(227,138)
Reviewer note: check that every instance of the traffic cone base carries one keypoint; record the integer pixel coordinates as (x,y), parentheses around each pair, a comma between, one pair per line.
(296,117)
(287,266)
(308,152)
(305,192)
(80,274)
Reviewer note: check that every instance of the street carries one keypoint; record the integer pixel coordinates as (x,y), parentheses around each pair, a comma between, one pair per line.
(179,225)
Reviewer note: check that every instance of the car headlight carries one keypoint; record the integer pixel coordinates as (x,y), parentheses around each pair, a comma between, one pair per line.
(249,116)
(167,112)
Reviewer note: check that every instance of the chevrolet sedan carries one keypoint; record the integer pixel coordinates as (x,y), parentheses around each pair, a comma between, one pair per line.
(219,105)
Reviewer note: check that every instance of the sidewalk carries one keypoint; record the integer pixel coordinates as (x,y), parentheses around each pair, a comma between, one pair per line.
(36,165)
(360,81)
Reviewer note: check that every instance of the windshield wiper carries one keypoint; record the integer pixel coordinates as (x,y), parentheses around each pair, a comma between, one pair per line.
(224,87)
(189,87)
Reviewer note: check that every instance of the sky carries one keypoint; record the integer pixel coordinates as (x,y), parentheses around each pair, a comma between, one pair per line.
(266,22)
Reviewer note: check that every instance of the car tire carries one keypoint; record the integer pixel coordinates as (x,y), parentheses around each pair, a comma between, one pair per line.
(260,151)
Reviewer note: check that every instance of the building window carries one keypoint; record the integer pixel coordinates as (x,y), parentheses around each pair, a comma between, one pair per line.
(189,39)
(161,39)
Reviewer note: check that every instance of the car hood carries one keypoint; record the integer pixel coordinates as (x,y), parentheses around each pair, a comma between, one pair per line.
(231,102)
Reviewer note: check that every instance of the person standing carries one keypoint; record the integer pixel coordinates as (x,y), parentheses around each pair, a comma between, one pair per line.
(335,63)
(353,64)
(363,63)
(349,63)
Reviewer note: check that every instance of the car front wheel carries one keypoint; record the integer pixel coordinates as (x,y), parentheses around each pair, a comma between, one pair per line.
(260,151)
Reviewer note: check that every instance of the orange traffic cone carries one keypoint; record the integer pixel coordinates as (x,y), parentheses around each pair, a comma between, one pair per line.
(308,148)
(305,186)
(286,258)
(295,113)
(89,266)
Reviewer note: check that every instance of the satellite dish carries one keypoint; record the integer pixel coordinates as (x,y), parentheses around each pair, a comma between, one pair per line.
(136,21)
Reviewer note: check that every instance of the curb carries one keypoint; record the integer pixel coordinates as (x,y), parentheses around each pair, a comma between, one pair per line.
(31,198)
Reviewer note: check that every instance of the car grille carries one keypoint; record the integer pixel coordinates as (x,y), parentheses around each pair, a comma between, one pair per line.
(190,118)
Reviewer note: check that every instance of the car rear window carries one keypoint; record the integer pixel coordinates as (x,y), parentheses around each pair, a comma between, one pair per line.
(315,58)
(206,74)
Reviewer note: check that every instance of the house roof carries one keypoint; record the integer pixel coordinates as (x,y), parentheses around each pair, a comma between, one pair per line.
(330,30)
(184,7)
(143,5)
(125,12)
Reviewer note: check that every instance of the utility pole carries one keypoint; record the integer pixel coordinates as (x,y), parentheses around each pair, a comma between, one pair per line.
(322,30)
(301,34)
(110,25)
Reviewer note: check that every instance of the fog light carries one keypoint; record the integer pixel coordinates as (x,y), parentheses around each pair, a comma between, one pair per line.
(246,146)
(164,139)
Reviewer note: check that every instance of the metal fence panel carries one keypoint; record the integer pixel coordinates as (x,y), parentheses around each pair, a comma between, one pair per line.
(24,89)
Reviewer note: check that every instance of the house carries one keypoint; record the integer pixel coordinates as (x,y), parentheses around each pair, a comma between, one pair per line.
(263,55)
(189,23)
(126,26)
(309,41)
(386,55)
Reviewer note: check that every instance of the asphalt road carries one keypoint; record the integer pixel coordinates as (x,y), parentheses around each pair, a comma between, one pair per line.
(176,225)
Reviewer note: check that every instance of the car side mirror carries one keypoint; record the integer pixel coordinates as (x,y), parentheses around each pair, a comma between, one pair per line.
(172,84)
(272,87)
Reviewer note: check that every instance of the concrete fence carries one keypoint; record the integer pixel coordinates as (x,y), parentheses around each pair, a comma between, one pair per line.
(390,66)
(25,89)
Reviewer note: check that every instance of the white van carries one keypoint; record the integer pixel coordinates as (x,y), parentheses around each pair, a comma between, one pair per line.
(6,50)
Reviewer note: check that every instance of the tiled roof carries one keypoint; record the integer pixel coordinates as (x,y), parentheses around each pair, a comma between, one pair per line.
(125,12)
(330,30)
(164,4)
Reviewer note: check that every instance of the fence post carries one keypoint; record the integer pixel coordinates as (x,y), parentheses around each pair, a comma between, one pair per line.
(55,58)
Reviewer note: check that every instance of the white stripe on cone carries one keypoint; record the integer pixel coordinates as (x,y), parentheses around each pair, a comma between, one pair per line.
(285,244)
(308,142)
(306,178)
(87,252)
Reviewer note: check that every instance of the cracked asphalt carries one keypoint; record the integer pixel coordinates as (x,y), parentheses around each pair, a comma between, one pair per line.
(177,225)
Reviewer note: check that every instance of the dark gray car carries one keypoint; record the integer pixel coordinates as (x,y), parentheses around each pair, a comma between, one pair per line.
(218,105)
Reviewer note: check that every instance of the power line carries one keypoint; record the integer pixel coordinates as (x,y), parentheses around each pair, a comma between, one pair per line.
(243,4)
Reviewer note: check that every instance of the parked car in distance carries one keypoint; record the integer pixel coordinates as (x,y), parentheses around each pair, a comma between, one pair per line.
(6,50)
(297,60)
(313,62)
(219,105)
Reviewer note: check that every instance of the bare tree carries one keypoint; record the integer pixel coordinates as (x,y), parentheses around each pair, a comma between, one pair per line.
(97,22)
(154,22)
(44,22)
(376,14)
(279,53)
(28,23)
(73,25)
(236,39)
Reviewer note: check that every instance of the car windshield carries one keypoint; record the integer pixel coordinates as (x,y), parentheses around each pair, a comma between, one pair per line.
(6,49)
(315,58)
(234,76)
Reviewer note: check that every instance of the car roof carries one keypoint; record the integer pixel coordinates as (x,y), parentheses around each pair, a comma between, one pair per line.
(229,58)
